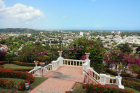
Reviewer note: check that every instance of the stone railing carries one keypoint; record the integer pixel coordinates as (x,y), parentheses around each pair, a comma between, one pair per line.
(48,67)
(72,62)
(33,71)
(56,64)
(104,79)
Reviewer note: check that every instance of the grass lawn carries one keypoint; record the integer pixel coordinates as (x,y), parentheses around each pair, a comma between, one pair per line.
(131,89)
(37,81)
(16,66)
(109,74)
(16,80)
(78,88)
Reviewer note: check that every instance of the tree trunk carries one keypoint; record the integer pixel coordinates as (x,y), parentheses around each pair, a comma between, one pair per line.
(8,60)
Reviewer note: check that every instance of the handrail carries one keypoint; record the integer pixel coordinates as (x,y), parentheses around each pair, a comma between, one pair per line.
(74,60)
(48,65)
(94,71)
(34,70)
(92,77)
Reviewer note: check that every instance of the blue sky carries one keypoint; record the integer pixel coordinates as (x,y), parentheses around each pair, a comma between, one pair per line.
(70,14)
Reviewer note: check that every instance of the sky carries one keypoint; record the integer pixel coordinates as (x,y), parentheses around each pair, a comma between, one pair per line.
(70,14)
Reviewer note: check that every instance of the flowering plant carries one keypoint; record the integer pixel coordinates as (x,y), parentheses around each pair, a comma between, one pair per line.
(18,74)
(90,88)
(5,83)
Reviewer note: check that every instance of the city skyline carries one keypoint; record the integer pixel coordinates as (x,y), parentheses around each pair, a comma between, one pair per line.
(70,14)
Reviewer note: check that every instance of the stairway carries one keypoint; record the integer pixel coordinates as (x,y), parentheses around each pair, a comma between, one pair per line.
(87,80)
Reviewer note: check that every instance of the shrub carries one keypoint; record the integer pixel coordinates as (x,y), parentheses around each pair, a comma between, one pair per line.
(5,83)
(90,88)
(15,58)
(125,74)
(23,63)
(21,86)
(138,76)
(1,66)
(131,84)
(110,71)
(2,62)
(17,74)
(130,79)
(18,69)
(115,72)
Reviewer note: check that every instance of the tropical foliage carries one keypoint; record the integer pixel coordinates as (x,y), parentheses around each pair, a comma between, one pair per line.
(79,46)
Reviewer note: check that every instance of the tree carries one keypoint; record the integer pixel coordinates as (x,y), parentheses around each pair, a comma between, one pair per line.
(3,41)
(138,50)
(77,50)
(113,57)
(2,55)
(8,56)
(16,44)
(125,48)
(134,68)
(28,53)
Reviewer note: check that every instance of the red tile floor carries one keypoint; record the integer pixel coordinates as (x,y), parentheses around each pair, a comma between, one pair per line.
(61,80)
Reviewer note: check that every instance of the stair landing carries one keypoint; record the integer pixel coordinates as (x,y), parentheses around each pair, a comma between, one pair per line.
(61,80)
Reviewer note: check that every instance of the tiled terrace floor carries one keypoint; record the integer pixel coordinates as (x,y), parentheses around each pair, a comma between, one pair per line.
(60,80)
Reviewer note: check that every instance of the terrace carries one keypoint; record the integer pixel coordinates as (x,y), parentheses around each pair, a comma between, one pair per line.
(70,71)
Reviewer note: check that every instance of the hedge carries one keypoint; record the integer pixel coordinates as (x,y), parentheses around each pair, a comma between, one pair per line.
(19,63)
(131,84)
(90,88)
(138,76)
(18,74)
(22,63)
(115,72)
(18,69)
(5,83)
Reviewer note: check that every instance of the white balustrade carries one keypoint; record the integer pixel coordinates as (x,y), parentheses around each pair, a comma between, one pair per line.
(72,62)
(112,80)
(103,78)
(33,71)
(56,64)
(48,67)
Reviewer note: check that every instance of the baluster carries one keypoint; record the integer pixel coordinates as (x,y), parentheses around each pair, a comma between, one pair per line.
(70,62)
(76,63)
(112,80)
(67,62)
(82,63)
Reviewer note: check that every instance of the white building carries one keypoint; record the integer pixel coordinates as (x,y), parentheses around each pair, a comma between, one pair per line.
(81,33)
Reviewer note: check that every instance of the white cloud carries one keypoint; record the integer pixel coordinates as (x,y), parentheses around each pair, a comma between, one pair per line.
(2,5)
(64,16)
(20,13)
(93,0)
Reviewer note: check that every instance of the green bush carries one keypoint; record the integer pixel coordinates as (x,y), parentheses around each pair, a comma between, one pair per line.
(138,76)
(115,72)
(18,74)
(15,59)
(125,74)
(5,83)
(22,63)
(131,84)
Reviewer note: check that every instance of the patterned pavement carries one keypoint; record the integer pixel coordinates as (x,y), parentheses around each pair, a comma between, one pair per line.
(60,80)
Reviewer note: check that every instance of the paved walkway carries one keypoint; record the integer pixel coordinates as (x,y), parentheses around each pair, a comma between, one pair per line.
(60,80)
